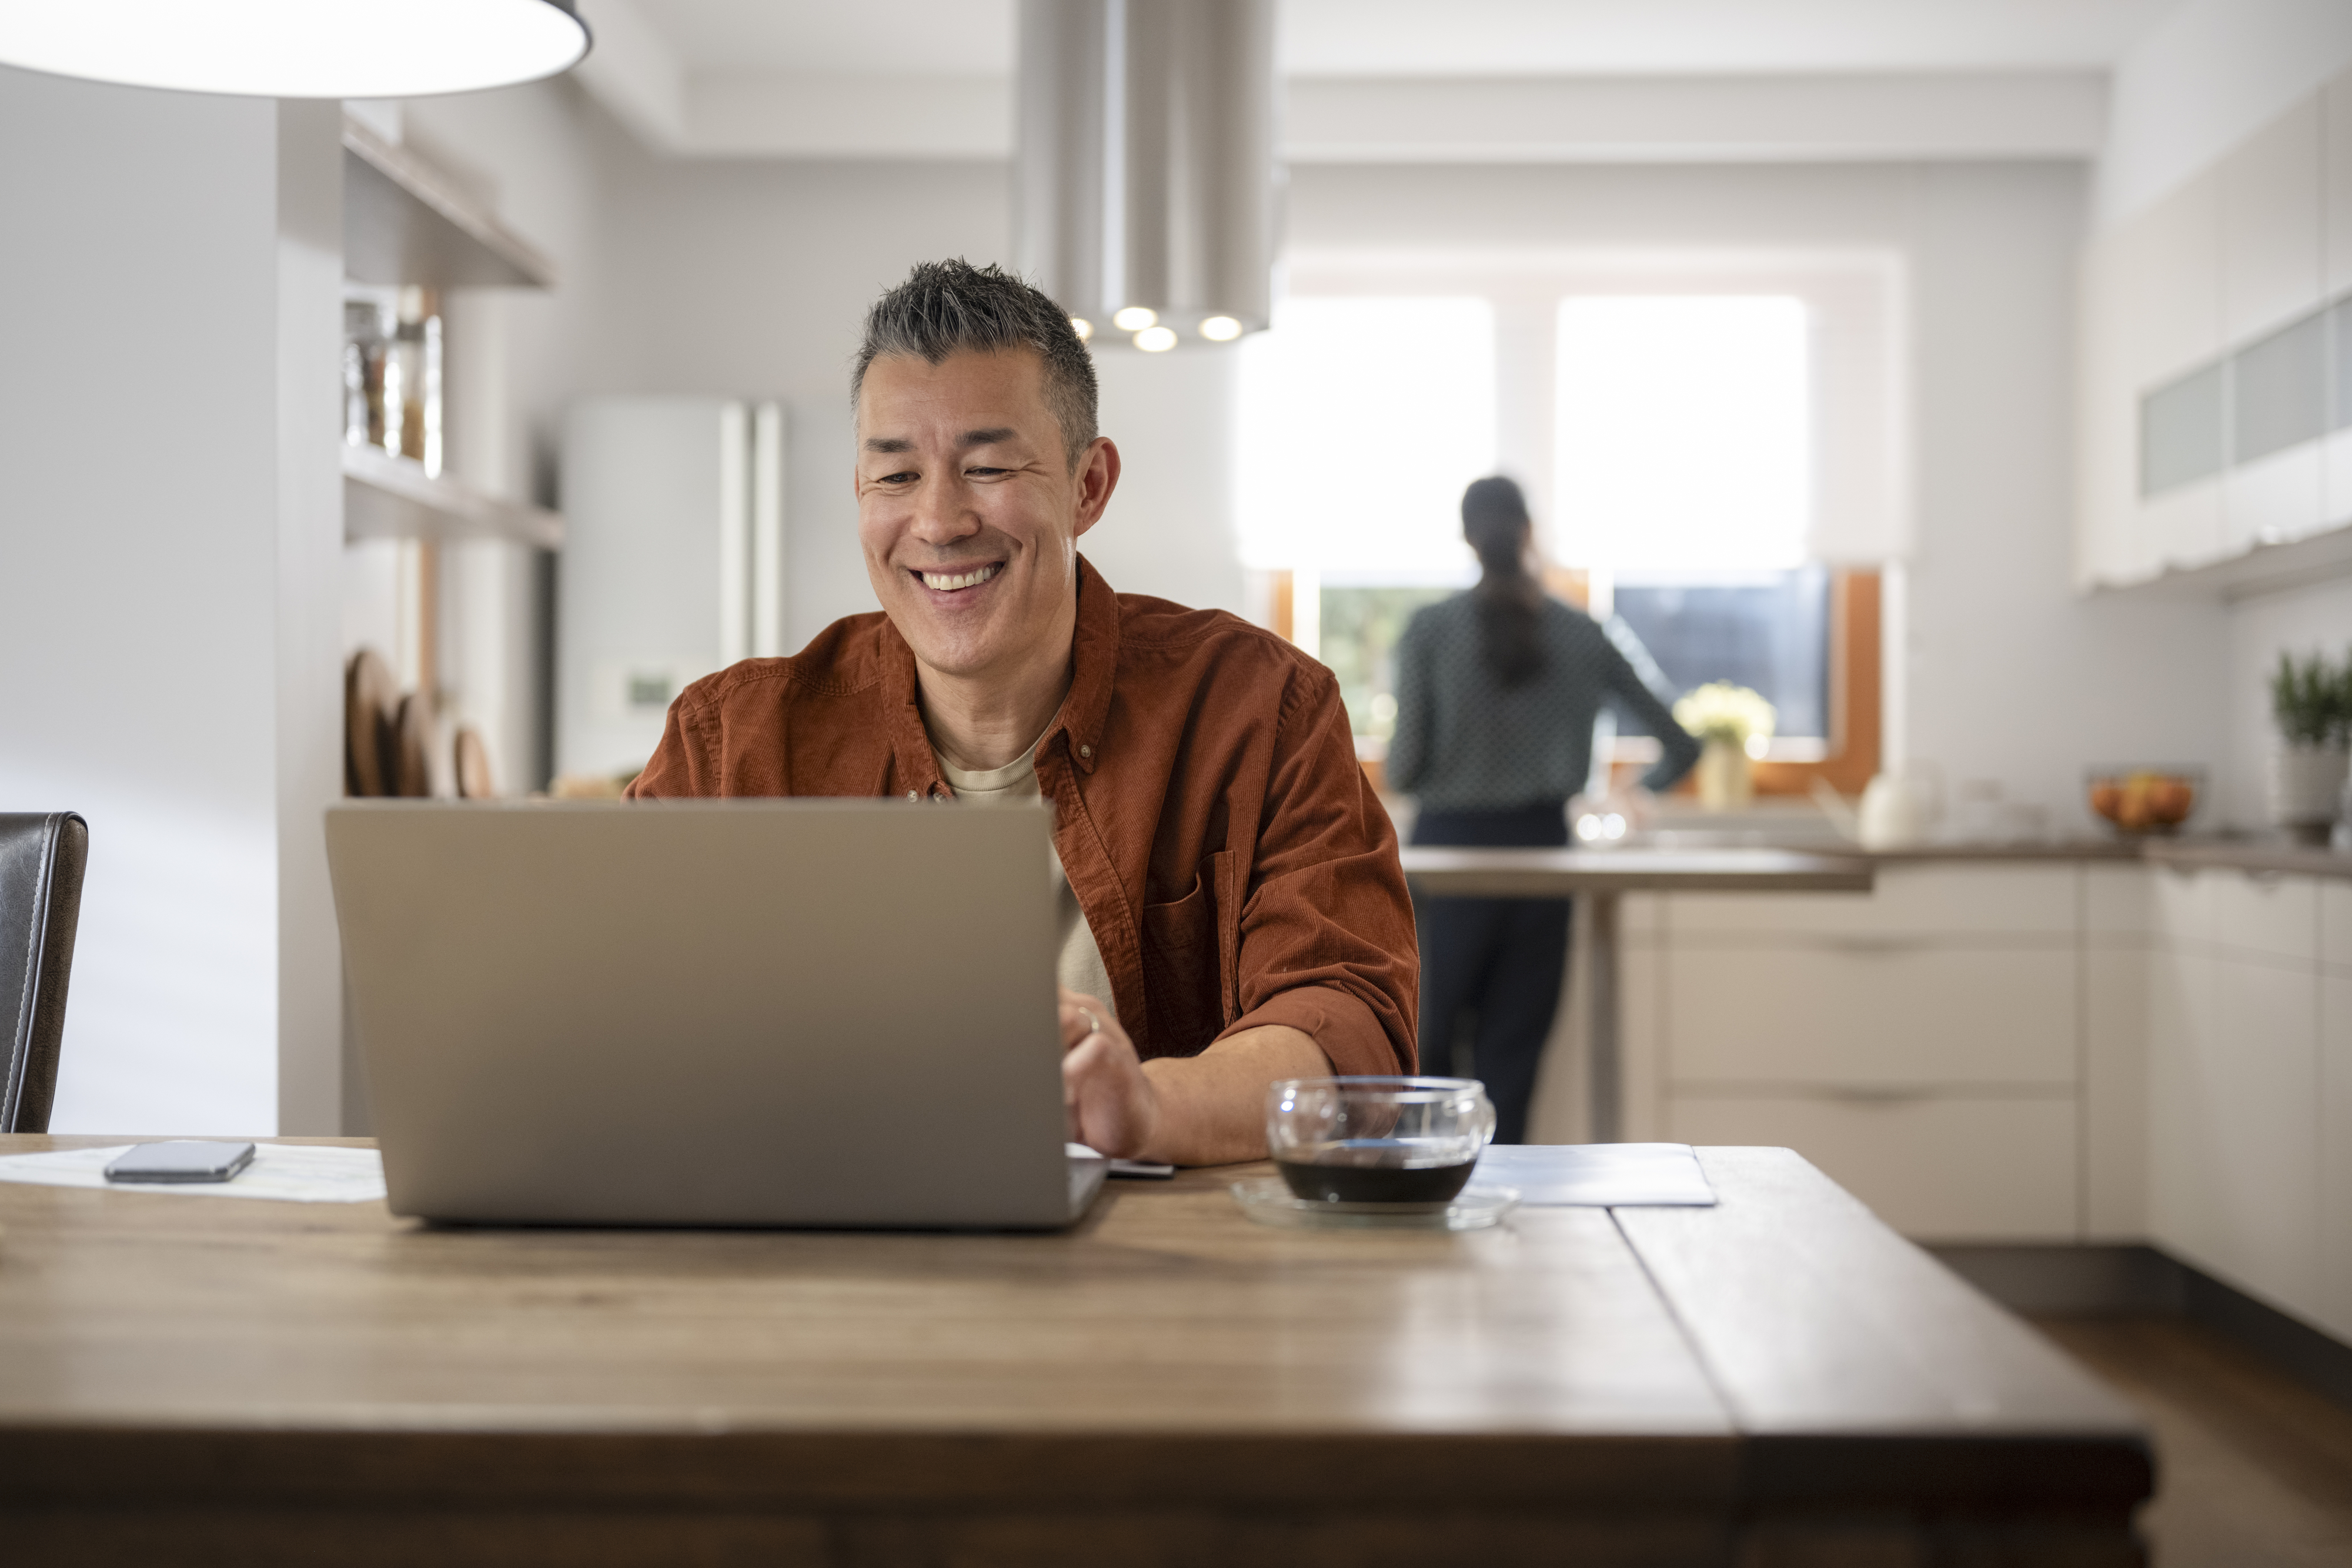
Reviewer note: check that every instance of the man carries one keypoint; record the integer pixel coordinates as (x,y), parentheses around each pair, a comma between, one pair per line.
(1234,911)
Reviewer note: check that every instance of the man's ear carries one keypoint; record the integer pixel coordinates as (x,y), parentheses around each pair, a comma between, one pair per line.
(1098,477)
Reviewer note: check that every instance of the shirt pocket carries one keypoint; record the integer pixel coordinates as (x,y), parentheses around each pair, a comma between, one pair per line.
(1188,964)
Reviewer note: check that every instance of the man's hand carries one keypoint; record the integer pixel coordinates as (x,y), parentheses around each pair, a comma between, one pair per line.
(1202,1109)
(1113,1107)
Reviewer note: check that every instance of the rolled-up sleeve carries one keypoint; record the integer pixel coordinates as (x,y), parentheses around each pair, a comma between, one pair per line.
(1327,937)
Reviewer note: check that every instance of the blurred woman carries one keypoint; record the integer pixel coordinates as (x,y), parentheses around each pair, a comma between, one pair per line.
(1497,692)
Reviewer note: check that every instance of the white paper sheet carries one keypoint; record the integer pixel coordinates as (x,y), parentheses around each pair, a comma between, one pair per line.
(289,1172)
(1598,1175)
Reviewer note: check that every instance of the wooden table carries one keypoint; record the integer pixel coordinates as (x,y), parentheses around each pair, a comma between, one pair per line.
(1777,1380)
(1598,877)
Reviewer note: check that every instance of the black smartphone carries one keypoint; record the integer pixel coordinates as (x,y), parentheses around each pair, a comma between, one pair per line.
(181,1159)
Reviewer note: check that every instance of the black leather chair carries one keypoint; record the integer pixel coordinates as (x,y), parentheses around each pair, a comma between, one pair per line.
(41,860)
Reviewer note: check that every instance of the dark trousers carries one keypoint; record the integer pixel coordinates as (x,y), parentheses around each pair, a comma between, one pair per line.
(1491,967)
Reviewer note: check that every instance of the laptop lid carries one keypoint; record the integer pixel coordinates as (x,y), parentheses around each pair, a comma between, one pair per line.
(710,1012)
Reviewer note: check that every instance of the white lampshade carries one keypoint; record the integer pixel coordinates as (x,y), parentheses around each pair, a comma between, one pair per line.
(295,48)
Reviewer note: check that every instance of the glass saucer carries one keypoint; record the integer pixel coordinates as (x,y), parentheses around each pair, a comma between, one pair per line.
(1269,1201)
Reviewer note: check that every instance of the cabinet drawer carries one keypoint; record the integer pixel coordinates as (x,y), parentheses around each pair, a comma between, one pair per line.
(1863,1015)
(2004,900)
(1938,1169)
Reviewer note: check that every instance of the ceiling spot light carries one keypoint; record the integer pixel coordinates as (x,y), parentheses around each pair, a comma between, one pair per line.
(1135,318)
(298,48)
(1220,328)
(1082,327)
(1155,339)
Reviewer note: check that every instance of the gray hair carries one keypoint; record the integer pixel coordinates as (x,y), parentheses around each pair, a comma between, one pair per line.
(950,307)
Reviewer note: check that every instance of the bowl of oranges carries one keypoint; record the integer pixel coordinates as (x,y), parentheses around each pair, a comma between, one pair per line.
(2137,801)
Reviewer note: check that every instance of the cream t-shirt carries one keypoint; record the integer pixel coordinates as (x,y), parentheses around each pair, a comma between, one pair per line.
(1080,964)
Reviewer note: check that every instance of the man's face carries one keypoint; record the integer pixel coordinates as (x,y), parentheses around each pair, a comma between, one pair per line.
(968,511)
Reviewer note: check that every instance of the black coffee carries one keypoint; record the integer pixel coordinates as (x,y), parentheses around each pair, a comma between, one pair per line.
(1370,1172)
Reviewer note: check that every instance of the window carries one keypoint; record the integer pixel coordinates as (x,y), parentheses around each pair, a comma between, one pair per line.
(1361,420)
(1684,460)
(1708,440)
(1684,440)
(1768,631)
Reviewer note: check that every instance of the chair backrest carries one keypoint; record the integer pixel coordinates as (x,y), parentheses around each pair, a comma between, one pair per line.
(41,862)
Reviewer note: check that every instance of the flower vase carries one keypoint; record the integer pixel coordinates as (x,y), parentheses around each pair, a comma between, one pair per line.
(1725,782)
(2306,785)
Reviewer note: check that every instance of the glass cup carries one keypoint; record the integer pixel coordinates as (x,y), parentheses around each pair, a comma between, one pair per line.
(1378,1140)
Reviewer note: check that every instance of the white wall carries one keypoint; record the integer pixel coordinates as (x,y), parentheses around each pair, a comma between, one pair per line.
(2204,78)
(2005,676)
(2302,621)
(166,523)
(1169,530)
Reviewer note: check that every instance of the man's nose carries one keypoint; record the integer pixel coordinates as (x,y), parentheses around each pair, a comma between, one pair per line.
(944,513)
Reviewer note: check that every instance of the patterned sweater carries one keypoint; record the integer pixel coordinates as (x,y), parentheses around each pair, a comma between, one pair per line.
(1465,743)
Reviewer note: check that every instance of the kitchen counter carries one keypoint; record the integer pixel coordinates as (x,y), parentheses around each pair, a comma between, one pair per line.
(2248,854)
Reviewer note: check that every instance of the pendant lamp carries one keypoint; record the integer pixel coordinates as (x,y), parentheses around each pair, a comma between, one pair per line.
(1145,176)
(296,48)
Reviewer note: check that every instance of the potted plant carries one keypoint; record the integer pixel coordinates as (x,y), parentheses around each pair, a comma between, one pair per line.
(1733,725)
(2311,703)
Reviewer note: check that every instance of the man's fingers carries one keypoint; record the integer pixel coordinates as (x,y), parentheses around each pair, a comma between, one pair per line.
(1082,1017)
(1109,1101)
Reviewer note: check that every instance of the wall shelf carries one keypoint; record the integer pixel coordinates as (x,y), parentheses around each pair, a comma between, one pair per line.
(405,221)
(388,498)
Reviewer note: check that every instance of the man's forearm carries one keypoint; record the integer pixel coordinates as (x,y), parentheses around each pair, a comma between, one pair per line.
(1212,1105)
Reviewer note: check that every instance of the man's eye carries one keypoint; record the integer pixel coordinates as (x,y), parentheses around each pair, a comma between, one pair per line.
(987,473)
(903,478)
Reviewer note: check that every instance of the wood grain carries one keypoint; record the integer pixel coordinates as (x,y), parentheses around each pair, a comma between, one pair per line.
(1812,1316)
(1165,1313)
(261,1383)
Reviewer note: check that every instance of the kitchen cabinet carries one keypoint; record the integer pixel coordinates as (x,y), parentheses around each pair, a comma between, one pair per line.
(2335,183)
(2030,1050)
(2336,250)
(2118,931)
(2335,1107)
(2270,223)
(1923,1043)
(2208,441)
(2235,1127)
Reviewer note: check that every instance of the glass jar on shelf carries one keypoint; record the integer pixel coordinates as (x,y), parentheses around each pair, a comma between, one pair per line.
(412,380)
(366,341)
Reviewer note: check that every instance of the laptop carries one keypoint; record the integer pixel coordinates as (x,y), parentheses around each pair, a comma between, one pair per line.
(708,1013)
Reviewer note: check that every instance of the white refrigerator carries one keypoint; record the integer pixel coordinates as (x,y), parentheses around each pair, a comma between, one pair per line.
(673,564)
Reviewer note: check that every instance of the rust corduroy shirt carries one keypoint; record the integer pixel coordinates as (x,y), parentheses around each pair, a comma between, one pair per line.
(1231,863)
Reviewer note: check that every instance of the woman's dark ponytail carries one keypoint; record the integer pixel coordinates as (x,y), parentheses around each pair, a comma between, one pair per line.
(1510,601)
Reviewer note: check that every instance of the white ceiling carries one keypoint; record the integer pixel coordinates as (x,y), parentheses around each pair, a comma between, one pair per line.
(1410,80)
(1455,37)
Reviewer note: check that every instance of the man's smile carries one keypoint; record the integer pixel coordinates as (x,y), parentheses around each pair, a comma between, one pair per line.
(951,581)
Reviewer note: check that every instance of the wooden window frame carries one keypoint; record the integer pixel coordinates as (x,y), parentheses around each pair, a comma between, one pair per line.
(1856,694)
(1857,703)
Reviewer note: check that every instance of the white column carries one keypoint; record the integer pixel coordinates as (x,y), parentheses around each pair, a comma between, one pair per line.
(169,533)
